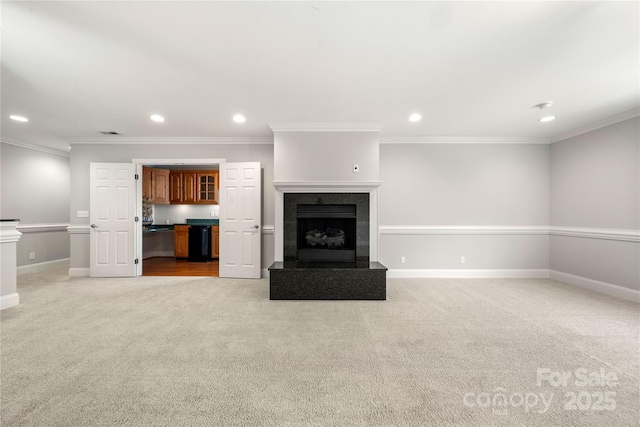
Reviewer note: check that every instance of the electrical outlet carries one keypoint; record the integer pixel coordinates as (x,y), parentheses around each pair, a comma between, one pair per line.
(32,255)
(213,213)
(462,260)
(83,214)
(356,168)
(402,260)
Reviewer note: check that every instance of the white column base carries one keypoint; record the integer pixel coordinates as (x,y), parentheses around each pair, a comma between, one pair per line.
(8,301)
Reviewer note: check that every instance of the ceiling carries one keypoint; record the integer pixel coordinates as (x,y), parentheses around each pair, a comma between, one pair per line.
(469,68)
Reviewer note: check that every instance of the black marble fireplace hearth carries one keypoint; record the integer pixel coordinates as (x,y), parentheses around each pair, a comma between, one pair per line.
(326,250)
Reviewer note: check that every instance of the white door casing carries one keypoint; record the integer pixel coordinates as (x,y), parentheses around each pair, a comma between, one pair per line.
(240,220)
(112,219)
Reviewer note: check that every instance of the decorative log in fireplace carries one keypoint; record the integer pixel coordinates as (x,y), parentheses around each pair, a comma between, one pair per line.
(326,233)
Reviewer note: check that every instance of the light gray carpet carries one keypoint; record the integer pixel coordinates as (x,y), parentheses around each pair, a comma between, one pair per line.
(212,352)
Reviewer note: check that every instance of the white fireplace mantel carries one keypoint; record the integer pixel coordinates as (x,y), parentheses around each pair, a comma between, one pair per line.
(283,187)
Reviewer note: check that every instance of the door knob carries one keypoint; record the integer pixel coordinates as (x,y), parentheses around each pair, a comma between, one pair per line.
(256,226)
(94,226)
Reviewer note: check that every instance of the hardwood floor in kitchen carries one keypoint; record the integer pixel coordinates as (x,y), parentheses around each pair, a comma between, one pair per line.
(169,266)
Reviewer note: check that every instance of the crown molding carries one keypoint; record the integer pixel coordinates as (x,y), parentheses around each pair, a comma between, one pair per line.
(326,127)
(597,125)
(173,140)
(35,147)
(465,140)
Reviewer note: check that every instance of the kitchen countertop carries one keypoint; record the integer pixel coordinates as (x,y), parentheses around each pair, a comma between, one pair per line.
(154,228)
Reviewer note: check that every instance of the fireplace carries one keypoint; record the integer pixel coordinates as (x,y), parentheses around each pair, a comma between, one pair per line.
(326,244)
(326,227)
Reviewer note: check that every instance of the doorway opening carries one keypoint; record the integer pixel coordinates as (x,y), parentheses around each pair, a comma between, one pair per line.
(173,197)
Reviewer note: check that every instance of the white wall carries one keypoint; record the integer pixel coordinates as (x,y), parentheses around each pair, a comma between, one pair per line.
(35,190)
(595,184)
(461,186)
(83,154)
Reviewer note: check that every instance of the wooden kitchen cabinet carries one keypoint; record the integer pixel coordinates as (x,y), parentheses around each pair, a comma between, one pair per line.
(215,241)
(147,183)
(183,187)
(207,187)
(181,241)
(193,187)
(175,187)
(160,186)
(155,185)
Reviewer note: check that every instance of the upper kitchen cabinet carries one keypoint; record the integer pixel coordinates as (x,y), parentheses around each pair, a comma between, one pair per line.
(208,187)
(183,187)
(155,185)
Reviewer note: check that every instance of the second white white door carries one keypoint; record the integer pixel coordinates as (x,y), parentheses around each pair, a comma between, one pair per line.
(240,220)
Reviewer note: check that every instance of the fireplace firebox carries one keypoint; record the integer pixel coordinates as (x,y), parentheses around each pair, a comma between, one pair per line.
(326,233)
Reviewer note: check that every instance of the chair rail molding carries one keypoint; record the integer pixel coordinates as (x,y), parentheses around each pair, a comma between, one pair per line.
(582,232)
(79,229)
(42,228)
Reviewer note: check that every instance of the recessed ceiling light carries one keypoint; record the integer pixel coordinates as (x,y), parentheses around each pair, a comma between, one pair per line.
(239,118)
(19,118)
(415,117)
(157,118)
(547,119)
(543,105)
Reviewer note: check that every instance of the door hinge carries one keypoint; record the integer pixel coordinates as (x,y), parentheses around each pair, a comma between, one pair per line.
(136,261)
(136,219)
(137,176)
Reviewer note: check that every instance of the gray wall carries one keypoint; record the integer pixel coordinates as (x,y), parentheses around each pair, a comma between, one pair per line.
(35,189)
(83,154)
(326,156)
(595,183)
(493,185)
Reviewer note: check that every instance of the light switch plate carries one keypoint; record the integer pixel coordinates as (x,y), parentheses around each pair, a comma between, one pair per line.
(83,214)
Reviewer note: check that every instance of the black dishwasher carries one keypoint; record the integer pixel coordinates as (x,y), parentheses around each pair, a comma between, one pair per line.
(199,243)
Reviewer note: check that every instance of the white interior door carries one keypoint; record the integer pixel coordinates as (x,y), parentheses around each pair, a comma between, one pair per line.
(112,218)
(240,220)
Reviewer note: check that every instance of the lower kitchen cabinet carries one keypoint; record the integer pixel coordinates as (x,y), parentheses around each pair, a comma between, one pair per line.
(215,241)
(181,241)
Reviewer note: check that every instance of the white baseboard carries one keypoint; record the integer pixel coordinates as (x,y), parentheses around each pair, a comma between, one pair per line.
(78,272)
(42,266)
(265,273)
(162,254)
(7,301)
(596,285)
(468,274)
